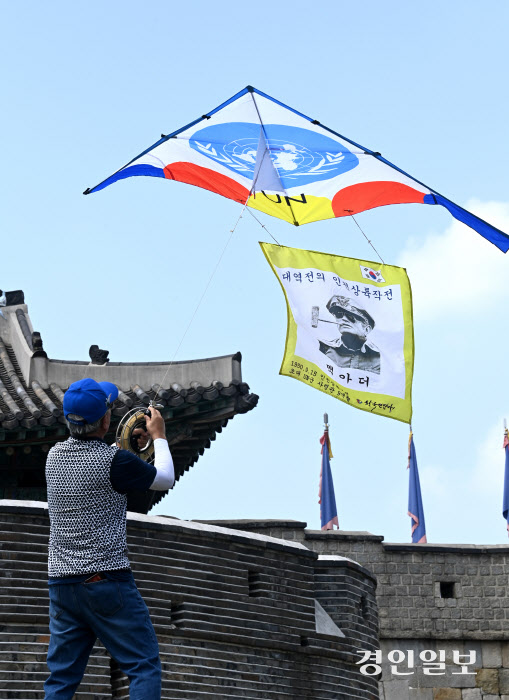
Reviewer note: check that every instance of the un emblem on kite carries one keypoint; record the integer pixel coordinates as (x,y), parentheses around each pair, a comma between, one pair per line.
(300,156)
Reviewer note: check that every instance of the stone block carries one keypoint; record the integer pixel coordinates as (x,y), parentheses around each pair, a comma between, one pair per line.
(503,680)
(420,693)
(505,654)
(415,569)
(471,694)
(396,690)
(449,647)
(446,680)
(487,680)
(492,654)
(446,694)
(475,646)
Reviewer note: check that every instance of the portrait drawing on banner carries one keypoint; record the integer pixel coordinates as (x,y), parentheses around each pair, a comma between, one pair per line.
(352,349)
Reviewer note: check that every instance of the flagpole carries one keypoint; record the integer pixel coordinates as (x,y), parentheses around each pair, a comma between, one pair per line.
(505,500)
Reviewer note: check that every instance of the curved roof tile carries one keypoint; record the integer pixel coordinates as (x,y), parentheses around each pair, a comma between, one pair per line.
(198,397)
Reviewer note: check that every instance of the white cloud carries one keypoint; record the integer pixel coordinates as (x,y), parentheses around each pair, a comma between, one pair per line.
(459,266)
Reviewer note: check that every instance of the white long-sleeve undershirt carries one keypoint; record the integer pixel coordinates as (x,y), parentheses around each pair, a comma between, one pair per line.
(163,462)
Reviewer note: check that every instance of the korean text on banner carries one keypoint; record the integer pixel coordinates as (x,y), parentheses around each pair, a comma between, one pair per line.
(350,328)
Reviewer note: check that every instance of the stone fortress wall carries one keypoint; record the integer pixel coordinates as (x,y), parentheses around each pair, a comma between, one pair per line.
(237,614)
(269,609)
(442,598)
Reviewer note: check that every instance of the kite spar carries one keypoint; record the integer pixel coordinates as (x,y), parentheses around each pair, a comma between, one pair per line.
(256,150)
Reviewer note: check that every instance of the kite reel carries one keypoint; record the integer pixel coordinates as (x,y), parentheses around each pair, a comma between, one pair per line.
(130,432)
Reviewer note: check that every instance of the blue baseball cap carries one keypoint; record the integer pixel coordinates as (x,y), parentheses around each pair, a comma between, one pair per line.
(89,399)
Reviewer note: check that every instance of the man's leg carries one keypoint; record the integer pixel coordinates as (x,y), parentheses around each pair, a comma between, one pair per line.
(119,617)
(71,642)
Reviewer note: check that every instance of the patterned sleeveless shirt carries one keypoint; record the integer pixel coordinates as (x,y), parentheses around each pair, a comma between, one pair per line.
(87,515)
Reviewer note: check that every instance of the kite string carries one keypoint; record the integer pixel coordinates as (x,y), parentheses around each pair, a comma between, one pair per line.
(263,226)
(232,231)
(371,244)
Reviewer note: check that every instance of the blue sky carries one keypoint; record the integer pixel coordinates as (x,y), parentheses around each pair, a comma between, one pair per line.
(87,87)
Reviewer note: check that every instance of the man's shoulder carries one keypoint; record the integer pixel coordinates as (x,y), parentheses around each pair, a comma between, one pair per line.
(126,456)
(130,473)
(128,460)
(81,446)
(58,447)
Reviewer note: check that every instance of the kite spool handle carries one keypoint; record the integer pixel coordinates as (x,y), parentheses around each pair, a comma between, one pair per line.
(153,404)
(126,439)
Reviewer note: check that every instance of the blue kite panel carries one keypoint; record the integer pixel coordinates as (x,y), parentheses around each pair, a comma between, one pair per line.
(300,156)
(130,171)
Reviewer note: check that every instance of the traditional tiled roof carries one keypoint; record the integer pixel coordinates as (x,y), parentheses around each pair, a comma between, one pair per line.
(199,397)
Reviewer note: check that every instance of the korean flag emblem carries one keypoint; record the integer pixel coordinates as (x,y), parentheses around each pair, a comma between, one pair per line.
(373,275)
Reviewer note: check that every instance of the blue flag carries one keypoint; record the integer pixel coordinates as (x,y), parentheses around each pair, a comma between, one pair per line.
(327,499)
(505,505)
(415,509)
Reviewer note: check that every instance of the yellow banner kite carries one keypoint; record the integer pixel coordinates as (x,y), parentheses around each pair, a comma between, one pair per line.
(350,328)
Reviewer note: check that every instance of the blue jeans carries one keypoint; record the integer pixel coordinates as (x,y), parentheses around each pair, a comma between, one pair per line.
(113,611)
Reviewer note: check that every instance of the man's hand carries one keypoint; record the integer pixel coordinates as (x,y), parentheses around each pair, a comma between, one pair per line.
(142,437)
(155,424)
